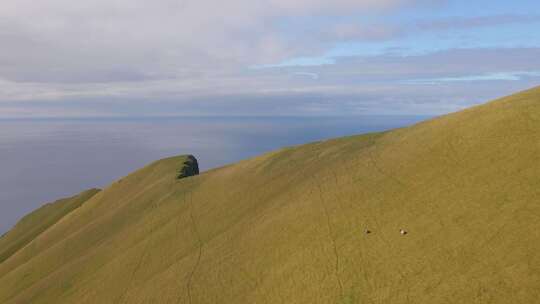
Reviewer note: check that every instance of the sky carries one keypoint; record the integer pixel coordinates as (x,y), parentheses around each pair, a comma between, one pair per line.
(134,58)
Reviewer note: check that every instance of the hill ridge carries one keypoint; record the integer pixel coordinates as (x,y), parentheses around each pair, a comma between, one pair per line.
(289,226)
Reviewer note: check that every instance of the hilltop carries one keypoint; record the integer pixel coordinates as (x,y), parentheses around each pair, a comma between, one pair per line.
(290,226)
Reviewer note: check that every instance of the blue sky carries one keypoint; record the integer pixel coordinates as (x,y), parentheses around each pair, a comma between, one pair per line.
(252,58)
(421,30)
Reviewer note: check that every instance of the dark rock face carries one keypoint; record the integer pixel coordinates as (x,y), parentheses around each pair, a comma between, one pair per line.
(190,167)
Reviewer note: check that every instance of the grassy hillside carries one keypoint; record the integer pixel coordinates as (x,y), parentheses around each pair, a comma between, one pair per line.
(32,225)
(288,226)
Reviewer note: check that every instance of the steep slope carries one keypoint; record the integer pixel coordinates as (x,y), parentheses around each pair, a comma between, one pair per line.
(288,226)
(30,226)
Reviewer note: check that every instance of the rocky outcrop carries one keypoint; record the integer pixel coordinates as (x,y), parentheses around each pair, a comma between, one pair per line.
(189,168)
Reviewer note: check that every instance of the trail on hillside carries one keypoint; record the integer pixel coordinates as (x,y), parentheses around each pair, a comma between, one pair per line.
(331,234)
(146,250)
(189,284)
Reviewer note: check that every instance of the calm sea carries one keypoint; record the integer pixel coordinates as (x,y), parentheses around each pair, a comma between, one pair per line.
(42,160)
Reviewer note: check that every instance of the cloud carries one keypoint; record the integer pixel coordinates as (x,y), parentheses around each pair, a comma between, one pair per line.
(501,76)
(171,57)
(366,32)
(133,40)
(313,76)
(452,23)
(352,86)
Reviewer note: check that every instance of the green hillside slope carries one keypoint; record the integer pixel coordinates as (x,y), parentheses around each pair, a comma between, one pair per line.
(30,226)
(289,226)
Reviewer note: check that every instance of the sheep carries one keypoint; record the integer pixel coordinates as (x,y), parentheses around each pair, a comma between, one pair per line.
(402,231)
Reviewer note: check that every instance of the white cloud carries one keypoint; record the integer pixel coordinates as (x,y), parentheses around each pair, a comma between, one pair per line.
(90,54)
(311,75)
(134,40)
(496,76)
(355,85)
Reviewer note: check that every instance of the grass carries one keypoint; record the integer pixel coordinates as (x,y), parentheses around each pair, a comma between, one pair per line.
(288,226)
(35,223)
